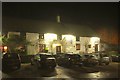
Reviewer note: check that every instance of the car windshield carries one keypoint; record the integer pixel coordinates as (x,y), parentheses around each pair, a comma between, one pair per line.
(46,55)
(93,57)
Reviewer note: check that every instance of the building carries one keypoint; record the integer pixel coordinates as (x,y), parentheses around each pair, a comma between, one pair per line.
(63,44)
(54,36)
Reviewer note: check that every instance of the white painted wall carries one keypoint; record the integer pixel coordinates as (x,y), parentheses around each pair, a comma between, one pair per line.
(89,41)
(13,33)
(49,39)
(33,38)
(69,43)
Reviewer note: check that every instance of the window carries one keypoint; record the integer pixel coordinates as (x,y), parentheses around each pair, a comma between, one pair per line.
(59,37)
(42,47)
(41,36)
(89,46)
(77,38)
(77,46)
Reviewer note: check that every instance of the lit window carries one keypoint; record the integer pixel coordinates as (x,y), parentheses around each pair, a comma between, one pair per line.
(77,46)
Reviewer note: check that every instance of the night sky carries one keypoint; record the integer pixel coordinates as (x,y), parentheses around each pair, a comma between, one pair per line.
(80,13)
(97,16)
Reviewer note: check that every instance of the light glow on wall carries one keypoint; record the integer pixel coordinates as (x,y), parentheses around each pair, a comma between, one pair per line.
(54,45)
(50,36)
(95,40)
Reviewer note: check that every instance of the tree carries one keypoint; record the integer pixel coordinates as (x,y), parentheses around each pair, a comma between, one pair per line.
(15,43)
(86,43)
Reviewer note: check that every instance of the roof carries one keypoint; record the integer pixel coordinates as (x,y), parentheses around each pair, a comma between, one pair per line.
(27,25)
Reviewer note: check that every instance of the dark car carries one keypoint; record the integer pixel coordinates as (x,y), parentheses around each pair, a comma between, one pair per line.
(90,60)
(11,61)
(61,59)
(75,59)
(44,60)
(104,59)
(115,58)
(70,59)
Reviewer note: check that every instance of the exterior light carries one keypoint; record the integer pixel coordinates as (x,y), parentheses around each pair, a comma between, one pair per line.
(50,37)
(5,48)
(95,39)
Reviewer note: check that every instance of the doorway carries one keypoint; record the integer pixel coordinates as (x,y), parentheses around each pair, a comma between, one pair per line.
(58,49)
(96,47)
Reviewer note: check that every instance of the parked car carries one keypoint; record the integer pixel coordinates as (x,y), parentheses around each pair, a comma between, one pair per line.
(104,59)
(115,58)
(90,60)
(11,61)
(42,60)
(61,59)
(69,59)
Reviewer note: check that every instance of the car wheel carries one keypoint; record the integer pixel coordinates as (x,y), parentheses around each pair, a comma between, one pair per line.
(31,63)
(19,66)
(39,66)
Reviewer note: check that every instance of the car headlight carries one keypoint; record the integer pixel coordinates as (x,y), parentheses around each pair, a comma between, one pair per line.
(39,59)
(68,58)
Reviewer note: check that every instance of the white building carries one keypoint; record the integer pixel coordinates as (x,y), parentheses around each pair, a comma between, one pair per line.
(64,43)
(67,44)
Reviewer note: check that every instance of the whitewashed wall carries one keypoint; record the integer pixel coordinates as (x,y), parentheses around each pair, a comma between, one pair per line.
(33,38)
(69,45)
(13,33)
(89,41)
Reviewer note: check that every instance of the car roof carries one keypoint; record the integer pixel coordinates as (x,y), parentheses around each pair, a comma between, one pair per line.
(44,54)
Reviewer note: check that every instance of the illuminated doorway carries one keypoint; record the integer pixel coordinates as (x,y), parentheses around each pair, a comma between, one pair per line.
(58,49)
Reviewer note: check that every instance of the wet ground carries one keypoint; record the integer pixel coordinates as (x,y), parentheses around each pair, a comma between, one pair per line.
(64,73)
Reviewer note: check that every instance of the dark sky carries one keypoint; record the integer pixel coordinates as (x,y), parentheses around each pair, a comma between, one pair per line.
(92,14)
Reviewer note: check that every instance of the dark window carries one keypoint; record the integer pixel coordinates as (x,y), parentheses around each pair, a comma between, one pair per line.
(77,38)
(42,47)
(96,47)
(41,36)
(89,46)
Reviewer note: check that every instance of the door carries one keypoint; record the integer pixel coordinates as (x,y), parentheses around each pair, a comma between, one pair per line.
(58,49)
(42,47)
(96,47)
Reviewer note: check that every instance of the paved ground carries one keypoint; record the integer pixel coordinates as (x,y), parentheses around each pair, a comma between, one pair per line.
(73,73)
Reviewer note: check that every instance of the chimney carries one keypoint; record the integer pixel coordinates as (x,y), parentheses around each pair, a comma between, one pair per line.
(58,19)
